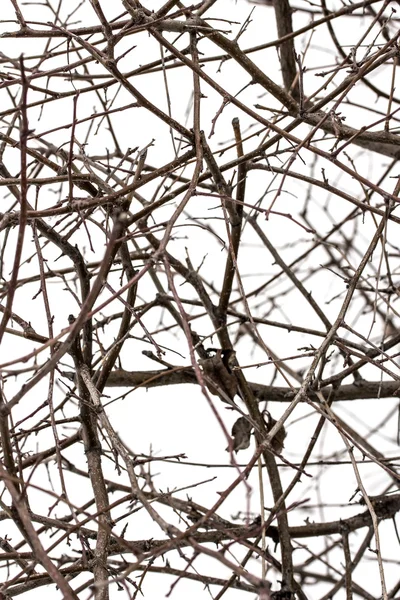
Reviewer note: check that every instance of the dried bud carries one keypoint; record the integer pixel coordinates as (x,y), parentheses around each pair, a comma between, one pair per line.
(279,437)
(217,370)
(229,359)
(241,432)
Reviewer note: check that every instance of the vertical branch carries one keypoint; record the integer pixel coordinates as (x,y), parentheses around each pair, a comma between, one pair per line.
(347,562)
(92,446)
(236,214)
(24,131)
(283,17)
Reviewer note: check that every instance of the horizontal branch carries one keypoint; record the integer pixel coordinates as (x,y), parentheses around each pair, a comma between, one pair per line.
(385,507)
(360,390)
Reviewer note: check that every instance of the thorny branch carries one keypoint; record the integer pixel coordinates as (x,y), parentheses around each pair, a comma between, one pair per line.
(199,253)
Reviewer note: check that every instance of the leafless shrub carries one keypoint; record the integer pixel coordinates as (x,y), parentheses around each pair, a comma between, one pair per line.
(199,253)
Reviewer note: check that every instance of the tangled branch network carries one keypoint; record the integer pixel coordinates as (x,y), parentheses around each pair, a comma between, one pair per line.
(199,299)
